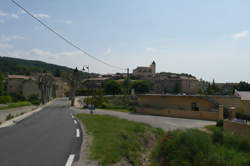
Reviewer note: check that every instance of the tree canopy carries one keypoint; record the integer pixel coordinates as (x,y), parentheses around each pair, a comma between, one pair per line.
(243,86)
(112,87)
(1,84)
(140,86)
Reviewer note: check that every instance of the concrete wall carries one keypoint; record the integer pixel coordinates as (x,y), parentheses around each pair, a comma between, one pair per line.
(161,104)
(205,115)
(174,102)
(239,128)
(178,106)
(233,101)
(15,86)
(29,88)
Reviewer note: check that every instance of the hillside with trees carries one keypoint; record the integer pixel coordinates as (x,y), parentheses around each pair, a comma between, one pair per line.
(26,67)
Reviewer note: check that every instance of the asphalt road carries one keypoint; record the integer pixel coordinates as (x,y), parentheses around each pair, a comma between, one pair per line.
(46,138)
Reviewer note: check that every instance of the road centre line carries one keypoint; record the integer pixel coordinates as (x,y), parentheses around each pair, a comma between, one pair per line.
(75,121)
(70,160)
(77,133)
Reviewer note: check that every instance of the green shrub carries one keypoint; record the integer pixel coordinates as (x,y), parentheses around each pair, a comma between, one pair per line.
(84,92)
(112,87)
(5,99)
(242,116)
(9,116)
(218,136)
(219,123)
(97,99)
(197,148)
(141,86)
(237,142)
(17,104)
(122,102)
(224,156)
(17,97)
(34,99)
(190,147)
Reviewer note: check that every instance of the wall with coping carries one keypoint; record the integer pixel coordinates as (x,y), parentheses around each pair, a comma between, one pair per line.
(233,101)
(179,106)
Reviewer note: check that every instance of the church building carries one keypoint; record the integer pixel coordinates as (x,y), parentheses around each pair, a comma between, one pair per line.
(143,71)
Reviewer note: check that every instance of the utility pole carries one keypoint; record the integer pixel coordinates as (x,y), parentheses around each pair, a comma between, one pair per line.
(128,81)
(74,83)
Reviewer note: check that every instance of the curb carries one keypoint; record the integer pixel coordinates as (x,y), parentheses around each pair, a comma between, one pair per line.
(83,155)
(15,120)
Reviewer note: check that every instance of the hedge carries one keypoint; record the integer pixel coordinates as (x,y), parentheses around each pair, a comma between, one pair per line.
(5,99)
(242,116)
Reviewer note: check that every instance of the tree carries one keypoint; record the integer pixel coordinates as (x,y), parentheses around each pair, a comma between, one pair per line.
(213,89)
(126,85)
(1,84)
(141,86)
(177,87)
(112,87)
(243,86)
(45,84)
(57,72)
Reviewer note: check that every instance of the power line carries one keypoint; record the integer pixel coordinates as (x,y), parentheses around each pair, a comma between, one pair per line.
(65,39)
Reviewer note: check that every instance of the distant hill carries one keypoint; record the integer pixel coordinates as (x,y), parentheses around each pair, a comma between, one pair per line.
(26,67)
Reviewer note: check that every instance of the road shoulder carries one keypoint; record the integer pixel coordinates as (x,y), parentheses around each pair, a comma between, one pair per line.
(84,153)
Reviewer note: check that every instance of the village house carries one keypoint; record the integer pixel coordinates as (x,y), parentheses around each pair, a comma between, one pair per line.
(61,88)
(95,82)
(212,107)
(167,82)
(145,72)
(23,85)
(29,85)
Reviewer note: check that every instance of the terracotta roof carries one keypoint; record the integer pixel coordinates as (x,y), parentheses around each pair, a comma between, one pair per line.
(99,78)
(19,77)
(142,67)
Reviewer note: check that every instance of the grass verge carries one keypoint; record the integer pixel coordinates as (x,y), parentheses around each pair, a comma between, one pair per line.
(213,128)
(197,148)
(116,140)
(17,104)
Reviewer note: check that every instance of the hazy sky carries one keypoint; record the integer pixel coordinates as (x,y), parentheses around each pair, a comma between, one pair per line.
(209,39)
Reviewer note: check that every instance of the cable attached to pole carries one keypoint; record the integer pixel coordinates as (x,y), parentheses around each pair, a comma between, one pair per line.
(65,39)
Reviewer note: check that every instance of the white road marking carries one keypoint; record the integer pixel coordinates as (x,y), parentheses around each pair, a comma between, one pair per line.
(75,121)
(70,160)
(77,133)
(72,116)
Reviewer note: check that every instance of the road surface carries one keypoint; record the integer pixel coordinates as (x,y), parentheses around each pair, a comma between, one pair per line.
(51,137)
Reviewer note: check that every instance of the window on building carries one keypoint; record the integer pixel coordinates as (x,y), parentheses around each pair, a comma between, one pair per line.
(194,107)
